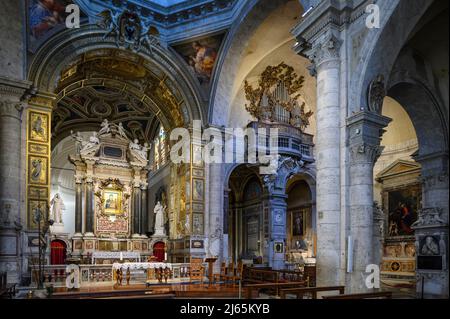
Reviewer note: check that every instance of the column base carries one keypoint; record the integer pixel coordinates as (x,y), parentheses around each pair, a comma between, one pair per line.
(88,235)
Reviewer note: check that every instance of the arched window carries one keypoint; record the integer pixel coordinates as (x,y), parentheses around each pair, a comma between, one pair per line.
(160,149)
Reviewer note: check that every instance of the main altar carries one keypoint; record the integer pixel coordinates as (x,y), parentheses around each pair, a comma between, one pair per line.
(111,193)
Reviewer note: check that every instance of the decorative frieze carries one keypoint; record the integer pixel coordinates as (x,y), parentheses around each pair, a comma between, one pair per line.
(365,153)
(287,167)
(365,131)
(430,217)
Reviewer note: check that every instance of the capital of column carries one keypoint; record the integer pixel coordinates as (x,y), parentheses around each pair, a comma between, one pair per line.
(143,185)
(89,179)
(365,130)
(324,52)
(78,179)
(11,108)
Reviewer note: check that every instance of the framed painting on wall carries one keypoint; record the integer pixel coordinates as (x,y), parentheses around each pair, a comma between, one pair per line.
(297,223)
(403,205)
(112,202)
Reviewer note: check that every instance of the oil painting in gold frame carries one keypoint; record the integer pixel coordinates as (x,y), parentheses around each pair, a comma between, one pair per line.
(112,202)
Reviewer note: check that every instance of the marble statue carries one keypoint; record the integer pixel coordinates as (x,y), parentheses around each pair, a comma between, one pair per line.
(430,247)
(121,131)
(92,146)
(57,205)
(187,225)
(104,127)
(159,220)
(139,153)
(377,92)
(215,239)
(144,151)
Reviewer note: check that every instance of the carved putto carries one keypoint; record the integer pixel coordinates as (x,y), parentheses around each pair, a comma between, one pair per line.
(277,97)
(139,153)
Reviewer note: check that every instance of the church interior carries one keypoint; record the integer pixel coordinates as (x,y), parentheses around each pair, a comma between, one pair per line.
(93,95)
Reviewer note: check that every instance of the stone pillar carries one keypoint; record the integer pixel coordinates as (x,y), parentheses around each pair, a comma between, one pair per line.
(226,203)
(89,222)
(10,181)
(364,130)
(144,211)
(277,228)
(237,232)
(78,206)
(325,55)
(432,271)
(136,211)
(216,212)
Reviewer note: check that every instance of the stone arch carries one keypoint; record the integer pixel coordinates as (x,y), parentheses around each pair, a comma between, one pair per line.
(381,48)
(66,47)
(416,99)
(307,175)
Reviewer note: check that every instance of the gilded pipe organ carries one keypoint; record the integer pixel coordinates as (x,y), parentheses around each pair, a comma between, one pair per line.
(111,180)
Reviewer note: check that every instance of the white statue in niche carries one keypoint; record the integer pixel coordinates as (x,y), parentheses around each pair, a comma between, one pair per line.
(57,205)
(79,142)
(159,220)
(215,239)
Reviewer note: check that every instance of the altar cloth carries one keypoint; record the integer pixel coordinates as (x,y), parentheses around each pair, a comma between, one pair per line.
(132,266)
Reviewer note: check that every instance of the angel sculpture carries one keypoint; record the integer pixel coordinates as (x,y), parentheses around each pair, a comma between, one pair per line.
(109,22)
(150,38)
(121,131)
(105,127)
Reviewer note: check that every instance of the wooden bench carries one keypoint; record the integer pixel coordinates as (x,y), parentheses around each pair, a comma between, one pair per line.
(300,292)
(254,275)
(8,291)
(369,295)
(272,286)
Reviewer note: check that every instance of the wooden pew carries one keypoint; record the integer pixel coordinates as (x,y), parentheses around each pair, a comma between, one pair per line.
(369,295)
(256,275)
(271,285)
(6,290)
(300,292)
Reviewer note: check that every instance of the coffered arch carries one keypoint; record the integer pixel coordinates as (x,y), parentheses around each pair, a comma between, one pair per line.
(81,62)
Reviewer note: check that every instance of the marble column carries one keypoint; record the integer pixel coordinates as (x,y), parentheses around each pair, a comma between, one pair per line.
(11,193)
(136,211)
(144,211)
(89,222)
(364,130)
(325,56)
(216,207)
(78,206)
